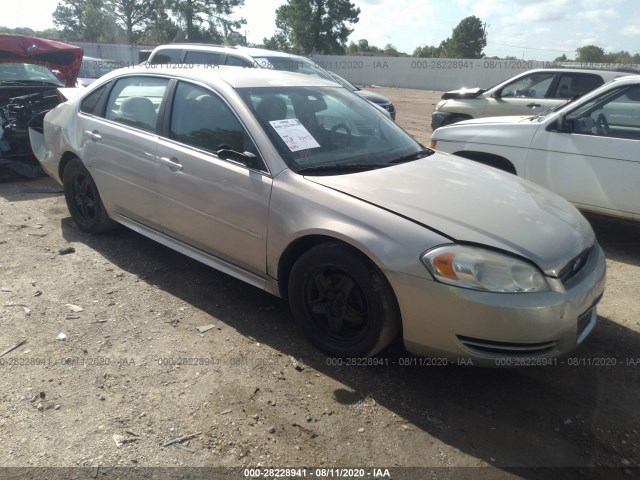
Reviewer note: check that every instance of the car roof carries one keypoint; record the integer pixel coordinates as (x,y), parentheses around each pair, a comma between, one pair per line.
(236,77)
(249,52)
(605,73)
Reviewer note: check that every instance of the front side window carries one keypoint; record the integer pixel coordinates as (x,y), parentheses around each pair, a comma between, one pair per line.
(615,113)
(135,101)
(201,119)
(91,101)
(535,85)
(329,127)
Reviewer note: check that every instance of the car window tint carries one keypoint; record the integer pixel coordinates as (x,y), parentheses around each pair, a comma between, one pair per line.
(535,85)
(613,114)
(201,119)
(135,101)
(203,58)
(576,84)
(91,101)
(237,61)
(170,55)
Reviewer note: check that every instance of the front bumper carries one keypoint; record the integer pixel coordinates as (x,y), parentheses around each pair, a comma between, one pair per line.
(439,118)
(498,329)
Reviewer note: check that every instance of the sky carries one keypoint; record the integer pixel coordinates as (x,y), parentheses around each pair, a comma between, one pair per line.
(527,29)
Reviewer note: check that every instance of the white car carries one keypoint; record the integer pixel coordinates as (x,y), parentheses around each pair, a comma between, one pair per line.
(587,151)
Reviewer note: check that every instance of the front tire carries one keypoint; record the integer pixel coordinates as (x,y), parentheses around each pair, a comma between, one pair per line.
(83,199)
(343,302)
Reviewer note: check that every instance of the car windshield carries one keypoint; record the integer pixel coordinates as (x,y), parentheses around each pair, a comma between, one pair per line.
(20,72)
(293,64)
(325,130)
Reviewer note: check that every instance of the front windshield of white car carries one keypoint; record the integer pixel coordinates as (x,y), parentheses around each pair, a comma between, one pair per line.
(26,73)
(321,129)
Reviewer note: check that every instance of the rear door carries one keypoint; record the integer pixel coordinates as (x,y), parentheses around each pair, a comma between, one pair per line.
(118,145)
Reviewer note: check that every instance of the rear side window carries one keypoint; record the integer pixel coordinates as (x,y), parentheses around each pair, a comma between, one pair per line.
(576,84)
(169,55)
(237,62)
(203,58)
(135,101)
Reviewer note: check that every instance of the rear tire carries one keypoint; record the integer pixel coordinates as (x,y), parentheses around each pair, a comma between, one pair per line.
(343,302)
(83,199)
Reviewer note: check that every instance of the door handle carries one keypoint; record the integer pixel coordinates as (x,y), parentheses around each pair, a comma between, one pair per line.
(533,105)
(95,136)
(173,163)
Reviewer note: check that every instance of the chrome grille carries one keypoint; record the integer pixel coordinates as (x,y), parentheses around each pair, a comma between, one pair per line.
(574,266)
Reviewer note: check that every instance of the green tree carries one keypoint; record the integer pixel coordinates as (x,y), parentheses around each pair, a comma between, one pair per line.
(362,48)
(206,19)
(467,40)
(320,26)
(590,54)
(161,27)
(619,57)
(88,20)
(391,50)
(561,58)
(133,16)
(428,51)
(278,41)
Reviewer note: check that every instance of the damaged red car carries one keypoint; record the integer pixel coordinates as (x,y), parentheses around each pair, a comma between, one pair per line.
(28,89)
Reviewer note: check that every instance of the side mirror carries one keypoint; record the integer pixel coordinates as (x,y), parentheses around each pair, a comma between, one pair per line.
(246,158)
(562,125)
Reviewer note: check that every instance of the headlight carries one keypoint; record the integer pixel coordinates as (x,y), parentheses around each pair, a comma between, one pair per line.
(482,269)
(440,105)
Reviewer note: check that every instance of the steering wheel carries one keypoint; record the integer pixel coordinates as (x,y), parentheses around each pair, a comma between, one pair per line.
(333,136)
(602,125)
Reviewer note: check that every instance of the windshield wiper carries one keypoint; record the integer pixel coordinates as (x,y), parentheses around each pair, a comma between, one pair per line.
(412,156)
(340,168)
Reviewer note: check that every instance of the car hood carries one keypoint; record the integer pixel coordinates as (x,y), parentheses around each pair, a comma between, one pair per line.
(463,93)
(373,97)
(472,203)
(507,131)
(39,51)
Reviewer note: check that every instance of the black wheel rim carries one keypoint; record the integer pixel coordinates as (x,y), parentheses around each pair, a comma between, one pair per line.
(337,306)
(83,196)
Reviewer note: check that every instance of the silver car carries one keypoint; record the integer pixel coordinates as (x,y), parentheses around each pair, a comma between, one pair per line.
(299,187)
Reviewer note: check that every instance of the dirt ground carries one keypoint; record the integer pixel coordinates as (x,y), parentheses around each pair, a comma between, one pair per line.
(134,372)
